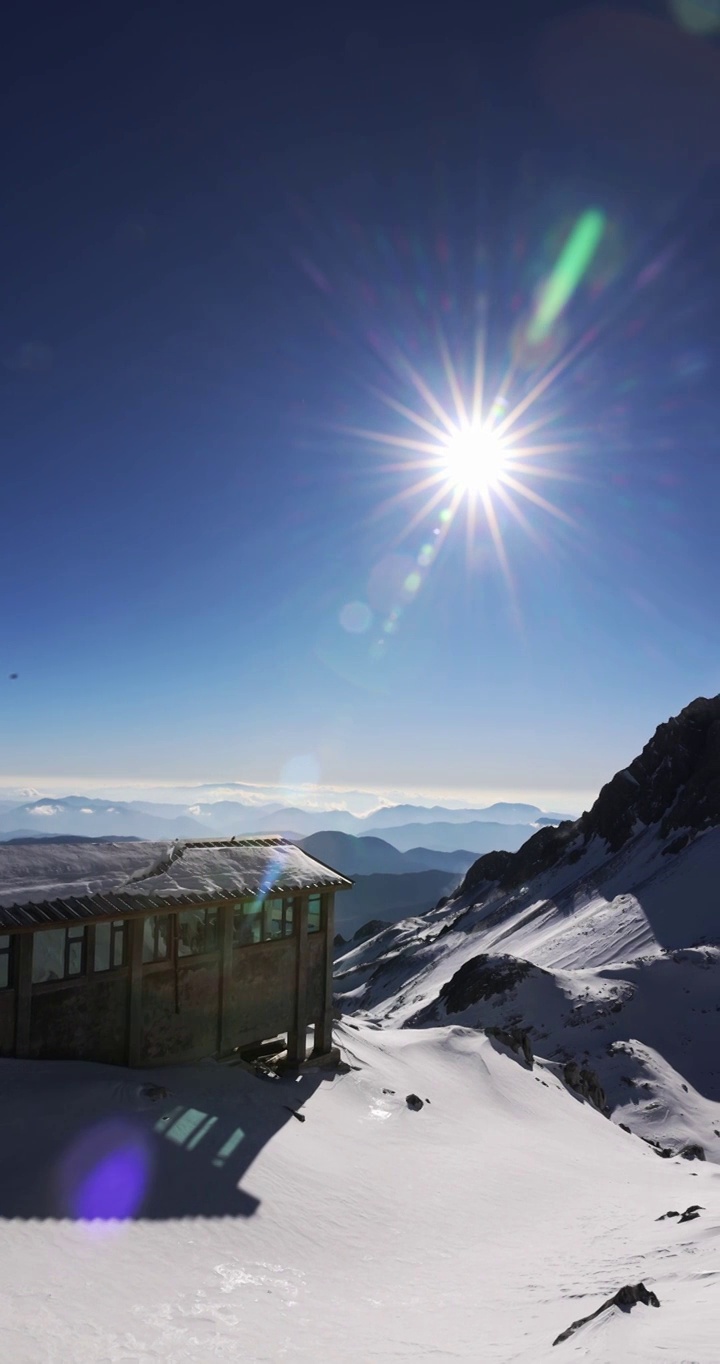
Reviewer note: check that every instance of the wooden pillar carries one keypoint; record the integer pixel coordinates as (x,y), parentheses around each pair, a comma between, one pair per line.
(296,1048)
(225,935)
(323,1027)
(23,992)
(135,974)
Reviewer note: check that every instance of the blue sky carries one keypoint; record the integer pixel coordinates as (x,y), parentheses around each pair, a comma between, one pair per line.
(223,246)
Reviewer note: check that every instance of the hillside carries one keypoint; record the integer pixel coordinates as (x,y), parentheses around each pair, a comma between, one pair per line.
(600,939)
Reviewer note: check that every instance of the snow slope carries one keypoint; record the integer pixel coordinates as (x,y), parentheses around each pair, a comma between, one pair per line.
(625,978)
(476,1229)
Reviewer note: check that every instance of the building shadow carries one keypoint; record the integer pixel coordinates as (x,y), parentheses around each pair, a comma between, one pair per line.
(81,1141)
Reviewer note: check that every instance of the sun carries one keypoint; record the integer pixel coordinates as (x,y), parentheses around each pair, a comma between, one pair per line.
(474,460)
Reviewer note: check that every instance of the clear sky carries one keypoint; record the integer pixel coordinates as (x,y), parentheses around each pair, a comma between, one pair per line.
(237,239)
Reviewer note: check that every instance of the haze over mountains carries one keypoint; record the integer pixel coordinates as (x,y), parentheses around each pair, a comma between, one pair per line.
(89,816)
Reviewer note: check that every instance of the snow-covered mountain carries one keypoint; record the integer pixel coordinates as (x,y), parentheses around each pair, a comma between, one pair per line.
(599,939)
(453,1190)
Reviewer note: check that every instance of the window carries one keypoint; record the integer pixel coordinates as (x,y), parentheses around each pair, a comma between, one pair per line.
(273,918)
(6,961)
(247,924)
(58,954)
(197,932)
(314,914)
(156,938)
(262,921)
(110,945)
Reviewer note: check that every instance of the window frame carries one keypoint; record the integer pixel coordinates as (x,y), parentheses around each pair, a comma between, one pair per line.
(167,960)
(8,953)
(75,933)
(263,914)
(206,911)
(317,895)
(118,929)
(79,934)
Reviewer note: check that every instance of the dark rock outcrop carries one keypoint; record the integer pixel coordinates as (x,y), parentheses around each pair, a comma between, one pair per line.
(674,783)
(625,1298)
(517,1039)
(583,1081)
(664,1151)
(692,1152)
(370,929)
(483,977)
(414,1102)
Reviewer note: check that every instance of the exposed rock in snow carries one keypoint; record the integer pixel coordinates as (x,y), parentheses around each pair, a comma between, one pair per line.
(585,1082)
(625,1298)
(517,1039)
(692,1152)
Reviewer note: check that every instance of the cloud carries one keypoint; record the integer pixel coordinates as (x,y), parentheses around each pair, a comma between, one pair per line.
(85,810)
(45,810)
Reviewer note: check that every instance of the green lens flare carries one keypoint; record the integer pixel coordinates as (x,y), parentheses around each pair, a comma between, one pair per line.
(572,264)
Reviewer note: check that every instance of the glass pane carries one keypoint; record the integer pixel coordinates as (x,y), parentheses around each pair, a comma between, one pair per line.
(75,958)
(211,930)
(48,955)
(191,932)
(156,926)
(4,970)
(118,942)
(163,937)
(273,918)
(4,940)
(149,938)
(102,947)
(314,914)
(75,931)
(288,918)
(247,924)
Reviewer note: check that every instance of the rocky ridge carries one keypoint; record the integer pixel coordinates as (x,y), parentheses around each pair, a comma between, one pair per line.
(674,784)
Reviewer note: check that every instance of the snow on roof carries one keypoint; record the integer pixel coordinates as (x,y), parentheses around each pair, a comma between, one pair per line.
(54,882)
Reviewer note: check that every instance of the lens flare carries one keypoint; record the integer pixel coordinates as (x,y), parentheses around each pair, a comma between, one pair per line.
(106,1173)
(572,264)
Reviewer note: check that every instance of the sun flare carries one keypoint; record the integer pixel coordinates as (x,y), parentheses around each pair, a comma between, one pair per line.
(475,459)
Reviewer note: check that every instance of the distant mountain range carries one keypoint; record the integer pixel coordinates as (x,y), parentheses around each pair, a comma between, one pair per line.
(405,826)
(365,856)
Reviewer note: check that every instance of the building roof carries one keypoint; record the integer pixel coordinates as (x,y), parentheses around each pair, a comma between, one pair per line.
(48,883)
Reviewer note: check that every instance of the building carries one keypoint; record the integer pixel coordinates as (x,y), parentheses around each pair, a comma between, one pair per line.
(145,953)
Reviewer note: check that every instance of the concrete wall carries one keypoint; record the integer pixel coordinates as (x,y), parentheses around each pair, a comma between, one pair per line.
(7,1023)
(316,976)
(85,1021)
(182,1027)
(260,996)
